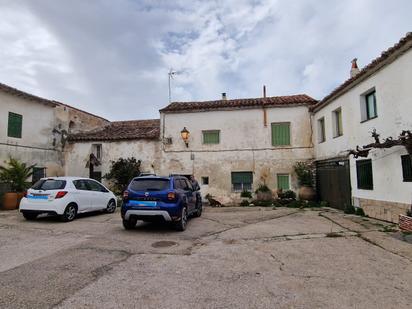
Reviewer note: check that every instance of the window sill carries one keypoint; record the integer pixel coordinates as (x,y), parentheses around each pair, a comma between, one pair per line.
(366,120)
(338,136)
(322,142)
(368,189)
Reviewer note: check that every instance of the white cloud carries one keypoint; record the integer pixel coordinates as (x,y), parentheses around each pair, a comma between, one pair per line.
(113,59)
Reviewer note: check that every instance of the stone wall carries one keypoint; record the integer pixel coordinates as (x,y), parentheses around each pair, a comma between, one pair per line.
(383,210)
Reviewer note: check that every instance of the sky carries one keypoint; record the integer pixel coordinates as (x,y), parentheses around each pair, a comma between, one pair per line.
(112,58)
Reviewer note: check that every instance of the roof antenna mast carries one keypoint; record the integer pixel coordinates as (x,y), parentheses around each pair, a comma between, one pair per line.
(171,73)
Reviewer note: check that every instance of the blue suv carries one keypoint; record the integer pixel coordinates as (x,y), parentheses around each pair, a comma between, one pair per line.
(153,198)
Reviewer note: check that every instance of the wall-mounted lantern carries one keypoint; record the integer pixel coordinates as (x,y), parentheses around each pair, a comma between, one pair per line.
(185,136)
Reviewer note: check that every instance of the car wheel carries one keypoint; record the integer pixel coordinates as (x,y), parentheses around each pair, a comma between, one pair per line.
(129,224)
(182,223)
(199,209)
(69,213)
(29,216)
(111,207)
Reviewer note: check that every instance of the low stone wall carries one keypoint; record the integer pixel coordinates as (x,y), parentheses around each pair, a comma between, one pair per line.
(383,210)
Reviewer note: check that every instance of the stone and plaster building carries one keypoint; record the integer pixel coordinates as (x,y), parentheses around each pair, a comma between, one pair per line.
(35,130)
(238,144)
(378,97)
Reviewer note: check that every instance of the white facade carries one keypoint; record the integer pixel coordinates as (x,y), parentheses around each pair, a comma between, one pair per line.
(35,146)
(245,145)
(392,86)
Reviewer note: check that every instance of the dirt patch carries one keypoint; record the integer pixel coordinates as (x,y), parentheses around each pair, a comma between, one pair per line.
(164,244)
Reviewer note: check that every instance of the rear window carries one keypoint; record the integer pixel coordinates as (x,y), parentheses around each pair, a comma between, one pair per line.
(150,185)
(49,184)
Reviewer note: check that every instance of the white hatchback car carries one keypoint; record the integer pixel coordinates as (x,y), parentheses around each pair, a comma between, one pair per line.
(66,197)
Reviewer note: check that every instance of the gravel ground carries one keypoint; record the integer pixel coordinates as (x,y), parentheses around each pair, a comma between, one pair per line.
(228,258)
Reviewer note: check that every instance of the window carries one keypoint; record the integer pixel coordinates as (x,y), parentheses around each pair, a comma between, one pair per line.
(337,122)
(49,184)
(242,181)
(364,174)
(283,181)
(406,168)
(150,185)
(205,180)
(368,106)
(211,137)
(97,150)
(38,173)
(281,134)
(81,185)
(15,125)
(321,130)
(95,186)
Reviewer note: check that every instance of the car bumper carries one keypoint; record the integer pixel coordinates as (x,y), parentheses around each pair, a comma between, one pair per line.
(55,206)
(140,214)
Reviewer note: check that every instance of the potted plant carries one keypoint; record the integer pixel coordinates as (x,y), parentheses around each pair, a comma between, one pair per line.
(263,193)
(305,178)
(405,221)
(15,174)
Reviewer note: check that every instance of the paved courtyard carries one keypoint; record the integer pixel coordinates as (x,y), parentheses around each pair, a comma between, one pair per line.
(228,258)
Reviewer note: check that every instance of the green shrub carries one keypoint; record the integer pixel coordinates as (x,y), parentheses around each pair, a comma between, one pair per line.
(288,194)
(359,211)
(246,194)
(295,204)
(311,204)
(262,203)
(304,172)
(262,188)
(244,203)
(277,204)
(16,174)
(349,210)
(323,204)
(122,172)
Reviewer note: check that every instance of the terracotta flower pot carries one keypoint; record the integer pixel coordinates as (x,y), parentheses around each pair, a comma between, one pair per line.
(264,196)
(307,193)
(11,200)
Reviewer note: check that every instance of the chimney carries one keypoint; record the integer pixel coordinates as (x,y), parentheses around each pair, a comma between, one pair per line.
(264,91)
(224,96)
(354,70)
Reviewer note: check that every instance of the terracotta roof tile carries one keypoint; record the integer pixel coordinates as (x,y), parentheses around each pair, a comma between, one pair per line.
(385,58)
(300,99)
(121,130)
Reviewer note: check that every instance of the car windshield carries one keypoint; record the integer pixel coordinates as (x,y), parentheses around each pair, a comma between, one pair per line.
(49,184)
(149,184)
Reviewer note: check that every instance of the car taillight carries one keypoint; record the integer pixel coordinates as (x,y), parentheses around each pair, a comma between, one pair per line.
(60,194)
(171,196)
(125,195)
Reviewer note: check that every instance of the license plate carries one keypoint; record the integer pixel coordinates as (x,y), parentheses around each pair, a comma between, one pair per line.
(143,203)
(37,197)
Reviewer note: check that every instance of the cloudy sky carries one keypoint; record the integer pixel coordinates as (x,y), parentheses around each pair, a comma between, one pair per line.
(112,57)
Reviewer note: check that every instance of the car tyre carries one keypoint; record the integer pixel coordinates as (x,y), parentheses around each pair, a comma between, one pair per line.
(199,209)
(182,223)
(70,213)
(111,207)
(29,216)
(129,224)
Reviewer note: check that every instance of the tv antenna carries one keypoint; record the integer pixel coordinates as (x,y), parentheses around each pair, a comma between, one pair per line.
(171,73)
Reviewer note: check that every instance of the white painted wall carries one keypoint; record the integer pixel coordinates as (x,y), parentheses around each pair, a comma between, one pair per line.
(36,144)
(245,145)
(394,107)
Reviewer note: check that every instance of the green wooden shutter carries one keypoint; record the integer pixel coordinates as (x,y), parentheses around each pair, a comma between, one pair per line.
(406,168)
(283,182)
(211,137)
(15,125)
(280,134)
(364,174)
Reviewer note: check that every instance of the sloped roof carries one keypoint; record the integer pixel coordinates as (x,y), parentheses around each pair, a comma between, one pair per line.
(384,59)
(121,130)
(280,101)
(26,95)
